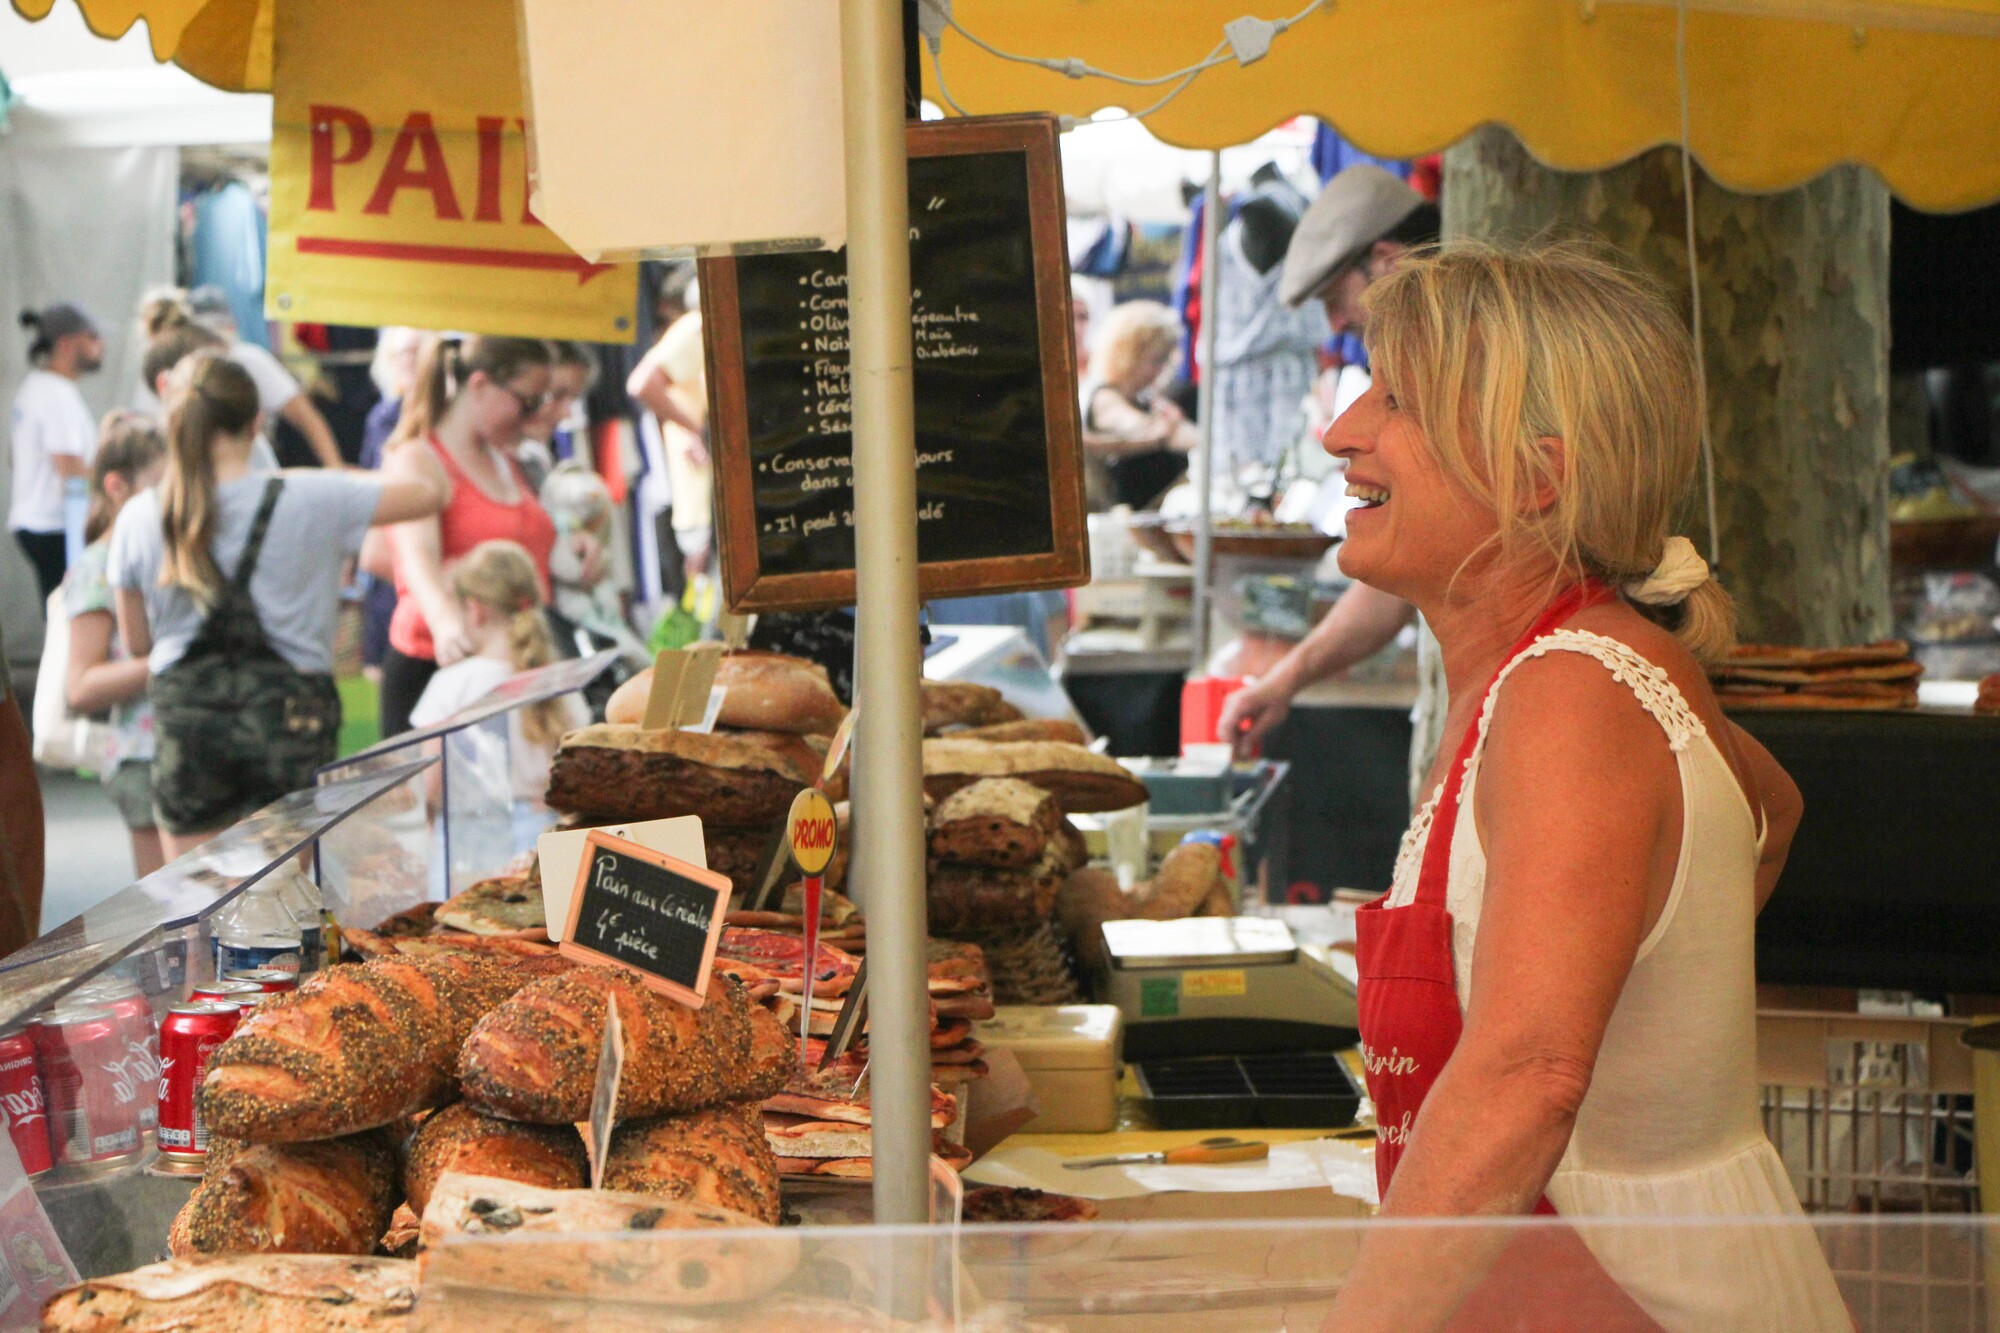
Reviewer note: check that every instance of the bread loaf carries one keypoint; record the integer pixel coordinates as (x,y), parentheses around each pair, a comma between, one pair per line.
(331,1197)
(293,1293)
(459,1138)
(355,1046)
(994,822)
(1082,782)
(1028,729)
(967,898)
(763,692)
(1182,883)
(738,854)
(623,773)
(716,1157)
(535,1057)
(1087,900)
(609,1261)
(960,703)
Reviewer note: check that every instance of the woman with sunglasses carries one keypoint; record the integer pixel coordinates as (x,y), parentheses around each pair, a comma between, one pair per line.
(459,428)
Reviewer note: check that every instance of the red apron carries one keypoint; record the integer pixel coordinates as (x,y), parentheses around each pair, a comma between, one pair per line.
(1410,1024)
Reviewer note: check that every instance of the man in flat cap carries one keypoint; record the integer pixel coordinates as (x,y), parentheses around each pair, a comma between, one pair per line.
(1361,225)
(52,434)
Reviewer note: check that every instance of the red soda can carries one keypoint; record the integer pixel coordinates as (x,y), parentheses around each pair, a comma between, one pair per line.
(188,1037)
(142,1040)
(21,1099)
(227,991)
(87,1077)
(267,980)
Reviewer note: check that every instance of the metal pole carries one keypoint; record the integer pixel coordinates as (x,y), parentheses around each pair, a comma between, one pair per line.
(1204,457)
(888,743)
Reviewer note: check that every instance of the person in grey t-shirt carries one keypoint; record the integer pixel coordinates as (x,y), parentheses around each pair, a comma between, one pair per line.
(174,552)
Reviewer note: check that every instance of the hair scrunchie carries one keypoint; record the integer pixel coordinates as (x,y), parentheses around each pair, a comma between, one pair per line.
(1681,570)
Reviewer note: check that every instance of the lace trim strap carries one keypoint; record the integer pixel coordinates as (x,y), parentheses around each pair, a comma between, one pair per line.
(1649,683)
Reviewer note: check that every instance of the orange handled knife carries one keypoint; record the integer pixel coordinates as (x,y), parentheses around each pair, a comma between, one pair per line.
(1208,1152)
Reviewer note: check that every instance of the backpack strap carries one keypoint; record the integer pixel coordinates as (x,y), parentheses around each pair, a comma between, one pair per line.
(255,545)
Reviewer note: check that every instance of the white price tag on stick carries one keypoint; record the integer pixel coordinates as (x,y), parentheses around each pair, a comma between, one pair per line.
(604,1100)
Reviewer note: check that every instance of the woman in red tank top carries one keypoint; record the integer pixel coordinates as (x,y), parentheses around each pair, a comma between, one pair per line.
(458,429)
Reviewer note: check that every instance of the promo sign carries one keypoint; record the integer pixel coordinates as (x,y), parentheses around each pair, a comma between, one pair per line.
(400,190)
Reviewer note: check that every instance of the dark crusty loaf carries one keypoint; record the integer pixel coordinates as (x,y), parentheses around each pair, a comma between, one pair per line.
(738,854)
(967,899)
(734,778)
(535,1057)
(295,1293)
(960,703)
(716,1157)
(355,1046)
(331,1197)
(1082,782)
(994,822)
(460,1138)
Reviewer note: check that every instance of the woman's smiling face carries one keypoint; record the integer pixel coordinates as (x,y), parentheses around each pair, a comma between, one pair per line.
(1416,526)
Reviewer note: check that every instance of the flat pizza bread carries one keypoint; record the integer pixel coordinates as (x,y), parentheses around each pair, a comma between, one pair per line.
(505,905)
(1811,701)
(1879,671)
(840,1093)
(783,956)
(1787,656)
(1007,1204)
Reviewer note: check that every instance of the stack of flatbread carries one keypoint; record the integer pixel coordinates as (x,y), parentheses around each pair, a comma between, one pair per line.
(823,1125)
(1875,677)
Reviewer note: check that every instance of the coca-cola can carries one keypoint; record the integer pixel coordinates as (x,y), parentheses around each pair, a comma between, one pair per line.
(227,991)
(142,1039)
(87,1076)
(188,1037)
(268,980)
(21,1098)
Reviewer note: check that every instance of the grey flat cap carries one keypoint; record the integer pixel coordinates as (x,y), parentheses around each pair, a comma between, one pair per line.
(1358,207)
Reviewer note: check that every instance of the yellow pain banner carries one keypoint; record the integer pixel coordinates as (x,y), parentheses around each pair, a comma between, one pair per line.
(399,179)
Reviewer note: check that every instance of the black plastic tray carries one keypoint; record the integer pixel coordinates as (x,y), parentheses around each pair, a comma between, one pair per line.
(1285,1090)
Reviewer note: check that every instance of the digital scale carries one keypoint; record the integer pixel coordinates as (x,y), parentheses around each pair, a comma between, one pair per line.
(1223,986)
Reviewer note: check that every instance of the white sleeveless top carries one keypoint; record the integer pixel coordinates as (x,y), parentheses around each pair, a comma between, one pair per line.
(1670,1127)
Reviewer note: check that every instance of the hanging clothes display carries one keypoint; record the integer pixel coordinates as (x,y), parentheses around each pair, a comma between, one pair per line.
(1266,356)
(228,252)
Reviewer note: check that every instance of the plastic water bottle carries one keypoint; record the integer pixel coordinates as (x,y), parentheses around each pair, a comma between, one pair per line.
(302,899)
(258,930)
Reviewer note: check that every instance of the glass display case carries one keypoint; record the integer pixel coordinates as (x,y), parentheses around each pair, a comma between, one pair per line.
(473,821)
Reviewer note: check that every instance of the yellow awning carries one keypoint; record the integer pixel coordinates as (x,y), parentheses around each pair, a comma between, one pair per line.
(1779,90)
(223,42)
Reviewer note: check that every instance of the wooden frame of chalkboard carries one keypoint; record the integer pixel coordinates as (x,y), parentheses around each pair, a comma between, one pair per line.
(1000,468)
(649,876)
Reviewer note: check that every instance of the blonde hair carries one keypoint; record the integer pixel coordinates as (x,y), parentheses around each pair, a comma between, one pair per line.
(1495,350)
(1130,333)
(128,443)
(213,397)
(500,576)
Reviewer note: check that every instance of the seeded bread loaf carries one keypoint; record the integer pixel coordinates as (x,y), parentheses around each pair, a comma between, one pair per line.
(535,1057)
(355,1046)
(331,1197)
(737,779)
(1081,782)
(254,1294)
(994,822)
(716,1158)
(460,1138)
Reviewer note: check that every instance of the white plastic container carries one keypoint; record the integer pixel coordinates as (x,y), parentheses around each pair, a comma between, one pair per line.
(1070,1055)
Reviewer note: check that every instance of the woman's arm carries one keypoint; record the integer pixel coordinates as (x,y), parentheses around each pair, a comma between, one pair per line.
(405,499)
(1578,803)
(1777,797)
(133,627)
(418,547)
(306,419)
(1121,428)
(95,682)
(651,386)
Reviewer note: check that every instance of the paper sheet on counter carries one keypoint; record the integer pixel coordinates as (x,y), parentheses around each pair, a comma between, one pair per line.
(1346,1168)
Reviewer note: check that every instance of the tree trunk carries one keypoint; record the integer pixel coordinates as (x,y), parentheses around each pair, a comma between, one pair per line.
(1795,326)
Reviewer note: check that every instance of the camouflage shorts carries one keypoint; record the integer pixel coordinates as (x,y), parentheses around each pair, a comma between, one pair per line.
(226,748)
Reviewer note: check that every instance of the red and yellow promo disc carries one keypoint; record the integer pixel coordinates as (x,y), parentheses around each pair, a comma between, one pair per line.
(810,831)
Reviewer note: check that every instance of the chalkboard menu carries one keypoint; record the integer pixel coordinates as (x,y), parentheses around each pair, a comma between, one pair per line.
(999,477)
(647,911)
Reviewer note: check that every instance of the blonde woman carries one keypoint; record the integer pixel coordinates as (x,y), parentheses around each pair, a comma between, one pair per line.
(1135,440)
(1558,994)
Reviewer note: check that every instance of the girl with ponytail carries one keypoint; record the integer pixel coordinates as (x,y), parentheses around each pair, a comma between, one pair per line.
(227,581)
(498,592)
(461,423)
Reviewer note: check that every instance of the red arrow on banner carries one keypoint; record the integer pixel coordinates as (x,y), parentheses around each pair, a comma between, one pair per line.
(453,254)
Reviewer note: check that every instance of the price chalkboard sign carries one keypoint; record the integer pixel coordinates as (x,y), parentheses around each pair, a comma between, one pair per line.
(642,909)
(999,476)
